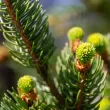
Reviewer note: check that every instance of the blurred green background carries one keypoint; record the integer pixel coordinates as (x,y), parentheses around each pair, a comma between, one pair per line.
(91,15)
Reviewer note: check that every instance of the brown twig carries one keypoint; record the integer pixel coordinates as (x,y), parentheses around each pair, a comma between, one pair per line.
(41,69)
(83,68)
(80,98)
(74,44)
(106,57)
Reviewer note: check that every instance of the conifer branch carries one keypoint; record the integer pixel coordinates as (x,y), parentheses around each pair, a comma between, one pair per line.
(42,70)
(80,78)
(20,29)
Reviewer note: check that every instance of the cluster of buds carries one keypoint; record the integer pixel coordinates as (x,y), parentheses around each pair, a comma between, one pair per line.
(97,44)
(84,52)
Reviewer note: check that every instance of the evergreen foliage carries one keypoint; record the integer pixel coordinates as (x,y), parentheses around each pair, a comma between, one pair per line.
(26,30)
(77,86)
(80,89)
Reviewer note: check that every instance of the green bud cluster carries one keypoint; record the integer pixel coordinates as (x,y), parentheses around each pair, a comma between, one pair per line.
(99,42)
(26,84)
(75,33)
(85,52)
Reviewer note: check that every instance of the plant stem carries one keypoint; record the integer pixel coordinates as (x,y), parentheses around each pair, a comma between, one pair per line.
(106,57)
(82,86)
(74,45)
(51,85)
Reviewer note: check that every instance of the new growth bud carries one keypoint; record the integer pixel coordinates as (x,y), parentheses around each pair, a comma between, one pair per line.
(85,52)
(26,84)
(75,33)
(99,42)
